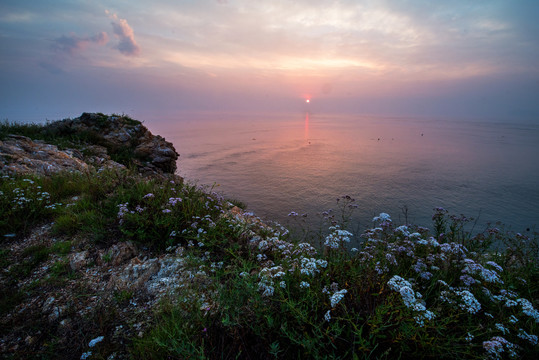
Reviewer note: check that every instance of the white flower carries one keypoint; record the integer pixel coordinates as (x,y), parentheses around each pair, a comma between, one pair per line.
(267,290)
(470,303)
(408,296)
(282,284)
(469,337)
(403,229)
(308,266)
(502,328)
(381,269)
(383,217)
(322,263)
(327,316)
(442,283)
(453,248)
(471,267)
(525,336)
(338,236)
(139,209)
(173,201)
(421,317)
(527,308)
(433,242)
(467,280)
(337,297)
(497,345)
(495,266)
(396,282)
(263,245)
(96,341)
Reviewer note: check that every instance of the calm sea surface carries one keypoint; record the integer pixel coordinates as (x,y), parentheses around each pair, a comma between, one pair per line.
(303,162)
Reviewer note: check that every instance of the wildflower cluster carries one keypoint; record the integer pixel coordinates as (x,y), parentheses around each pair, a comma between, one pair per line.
(23,199)
(292,258)
(337,237)
(498,345)
(411,299)
(491,276)
(455,279)
(336,297)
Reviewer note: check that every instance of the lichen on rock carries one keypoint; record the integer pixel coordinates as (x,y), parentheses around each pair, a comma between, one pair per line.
(19,154)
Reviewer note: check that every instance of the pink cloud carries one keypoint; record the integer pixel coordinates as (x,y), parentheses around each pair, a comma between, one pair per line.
(127,44)
(73,44)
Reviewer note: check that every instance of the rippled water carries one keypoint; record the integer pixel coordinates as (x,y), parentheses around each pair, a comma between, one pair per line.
(303,162)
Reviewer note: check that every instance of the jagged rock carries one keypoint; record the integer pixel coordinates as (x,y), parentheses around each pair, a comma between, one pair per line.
(169,276)
(19,154)
(78,260)
(134,275)
(122,135)
(156,149)
(120,253)
(157,276)
(47,304)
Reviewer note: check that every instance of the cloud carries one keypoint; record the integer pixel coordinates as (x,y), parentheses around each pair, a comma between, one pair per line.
(73,44)
(127,44)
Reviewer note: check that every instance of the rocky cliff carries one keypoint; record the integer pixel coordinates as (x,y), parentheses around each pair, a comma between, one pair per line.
(92,139)
(70,293)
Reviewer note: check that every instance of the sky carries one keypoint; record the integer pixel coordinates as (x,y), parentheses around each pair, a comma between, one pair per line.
(151,59)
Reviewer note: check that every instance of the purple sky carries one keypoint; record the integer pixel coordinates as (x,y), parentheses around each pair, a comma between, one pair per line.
(476,59)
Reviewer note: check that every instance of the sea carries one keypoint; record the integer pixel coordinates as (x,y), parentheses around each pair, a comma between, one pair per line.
(302,162)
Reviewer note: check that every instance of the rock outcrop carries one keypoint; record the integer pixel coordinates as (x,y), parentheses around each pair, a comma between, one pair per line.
(98,140)
(19,154)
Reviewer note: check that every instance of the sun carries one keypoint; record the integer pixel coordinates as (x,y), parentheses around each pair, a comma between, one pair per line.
(307,101)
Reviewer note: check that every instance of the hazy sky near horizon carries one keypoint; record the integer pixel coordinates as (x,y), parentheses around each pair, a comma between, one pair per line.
(460,58)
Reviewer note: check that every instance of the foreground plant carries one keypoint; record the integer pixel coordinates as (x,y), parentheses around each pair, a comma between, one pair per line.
(255,291)
(401,293)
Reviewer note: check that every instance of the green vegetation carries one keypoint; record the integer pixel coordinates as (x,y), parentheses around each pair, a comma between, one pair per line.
(65,136)
(259,292)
